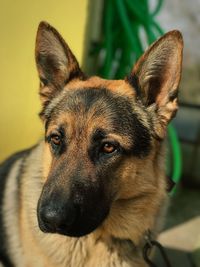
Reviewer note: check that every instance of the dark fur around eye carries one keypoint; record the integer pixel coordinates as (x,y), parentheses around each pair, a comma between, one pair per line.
(56,141)
(98,153)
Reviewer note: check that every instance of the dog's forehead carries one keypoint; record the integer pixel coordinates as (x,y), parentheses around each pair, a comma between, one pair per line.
(90,107)
(86,107)
(94,97)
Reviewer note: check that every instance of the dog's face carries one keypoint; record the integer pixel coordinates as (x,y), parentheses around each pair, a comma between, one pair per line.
(97,132)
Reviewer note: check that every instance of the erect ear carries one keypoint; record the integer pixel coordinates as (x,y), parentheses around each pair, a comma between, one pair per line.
(157,74)
(56,63)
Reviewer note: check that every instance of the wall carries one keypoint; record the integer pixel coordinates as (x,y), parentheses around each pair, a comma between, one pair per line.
(20,126)
(184,15)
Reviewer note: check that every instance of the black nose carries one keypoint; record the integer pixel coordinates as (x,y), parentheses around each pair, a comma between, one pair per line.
(56,217)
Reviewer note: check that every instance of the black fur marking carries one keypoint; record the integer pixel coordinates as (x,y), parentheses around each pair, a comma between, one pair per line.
(88,98)
(49,66)
(5,260)
(76,73)
(141,138)
(132,79)
(99,134)
(5,168)
(155,85)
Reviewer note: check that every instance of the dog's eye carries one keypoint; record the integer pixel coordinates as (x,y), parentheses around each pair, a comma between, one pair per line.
(55,139)
(108,148)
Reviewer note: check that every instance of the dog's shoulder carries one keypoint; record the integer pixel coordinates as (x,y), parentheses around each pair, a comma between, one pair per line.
(7,164)
(6,167)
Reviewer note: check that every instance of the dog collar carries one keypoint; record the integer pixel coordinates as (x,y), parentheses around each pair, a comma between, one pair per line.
(150,244)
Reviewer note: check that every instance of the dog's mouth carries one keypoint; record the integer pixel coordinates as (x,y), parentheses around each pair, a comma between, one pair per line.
(74,223)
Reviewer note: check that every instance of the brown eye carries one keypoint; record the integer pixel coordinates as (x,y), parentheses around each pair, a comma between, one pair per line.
(108,148)
(55,140)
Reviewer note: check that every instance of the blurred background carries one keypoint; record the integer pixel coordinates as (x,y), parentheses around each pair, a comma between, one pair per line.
(19,101)
(107,37)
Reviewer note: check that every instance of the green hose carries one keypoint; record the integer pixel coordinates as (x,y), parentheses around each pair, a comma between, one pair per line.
(176,154)
(127,25)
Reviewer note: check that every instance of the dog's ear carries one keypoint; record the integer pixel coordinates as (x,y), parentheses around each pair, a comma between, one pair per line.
(56,63)
(156,77)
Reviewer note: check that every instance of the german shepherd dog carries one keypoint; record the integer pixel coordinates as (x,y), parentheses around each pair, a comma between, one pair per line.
(87,195)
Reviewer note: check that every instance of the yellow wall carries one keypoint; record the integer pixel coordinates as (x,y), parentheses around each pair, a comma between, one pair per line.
(20,126)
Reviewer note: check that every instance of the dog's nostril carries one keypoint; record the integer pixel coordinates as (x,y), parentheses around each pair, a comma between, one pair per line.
(56,219)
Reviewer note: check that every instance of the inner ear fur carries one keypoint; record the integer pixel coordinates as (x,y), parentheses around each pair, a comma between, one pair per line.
(157,75)
(55,62)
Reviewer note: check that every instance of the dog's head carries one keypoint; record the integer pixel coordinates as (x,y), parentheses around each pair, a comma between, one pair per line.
(99,134)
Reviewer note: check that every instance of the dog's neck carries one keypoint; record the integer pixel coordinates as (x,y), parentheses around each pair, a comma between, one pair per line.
(113,250)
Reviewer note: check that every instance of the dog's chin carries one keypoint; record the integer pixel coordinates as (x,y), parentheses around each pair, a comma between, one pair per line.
(78,229)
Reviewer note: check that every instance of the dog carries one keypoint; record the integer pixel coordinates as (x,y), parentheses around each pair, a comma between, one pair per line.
(87,194)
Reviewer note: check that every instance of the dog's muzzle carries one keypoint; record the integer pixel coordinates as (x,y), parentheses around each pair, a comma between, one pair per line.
(58,214)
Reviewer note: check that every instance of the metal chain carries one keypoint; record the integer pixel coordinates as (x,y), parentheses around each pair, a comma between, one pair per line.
(147,249)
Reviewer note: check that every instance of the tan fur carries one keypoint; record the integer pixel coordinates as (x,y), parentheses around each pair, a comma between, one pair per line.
(118,86)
